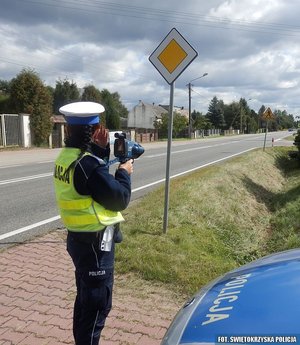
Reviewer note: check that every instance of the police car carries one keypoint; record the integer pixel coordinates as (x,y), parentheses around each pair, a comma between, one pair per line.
(256,303)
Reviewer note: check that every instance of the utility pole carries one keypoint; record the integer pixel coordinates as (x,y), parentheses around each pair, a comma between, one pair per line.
(241,119)
(189,85)
(190,106)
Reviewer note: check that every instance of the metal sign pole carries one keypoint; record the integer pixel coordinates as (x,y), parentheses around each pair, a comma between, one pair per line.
(266,135)
(171,58)
(167,184)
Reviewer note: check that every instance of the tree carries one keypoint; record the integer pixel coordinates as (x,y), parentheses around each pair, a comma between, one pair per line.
(114,109)
(91,93)
(199,121)
(245,115)
(215,113)
(283,120)
(5,87)
(40,118)
(251,125)
(65,92)
(51,91)
(262,109)
(180,122)
(161,124)
(254,122)
(4,95)
(29,95)
(4,103)
(232,115)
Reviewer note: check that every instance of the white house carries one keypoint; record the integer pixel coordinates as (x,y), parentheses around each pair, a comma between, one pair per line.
(143,115)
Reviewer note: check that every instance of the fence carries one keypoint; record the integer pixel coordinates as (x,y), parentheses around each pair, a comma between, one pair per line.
(14,130)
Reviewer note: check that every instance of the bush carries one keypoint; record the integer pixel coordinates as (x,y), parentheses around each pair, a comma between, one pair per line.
(297,142)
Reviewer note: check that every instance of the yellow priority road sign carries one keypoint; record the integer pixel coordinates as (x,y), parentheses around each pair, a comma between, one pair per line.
(172,56)
(268,114)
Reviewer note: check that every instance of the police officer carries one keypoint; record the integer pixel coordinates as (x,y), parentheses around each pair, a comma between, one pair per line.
(90,199)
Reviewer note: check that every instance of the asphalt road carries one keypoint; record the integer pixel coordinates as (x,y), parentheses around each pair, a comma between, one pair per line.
(26,184)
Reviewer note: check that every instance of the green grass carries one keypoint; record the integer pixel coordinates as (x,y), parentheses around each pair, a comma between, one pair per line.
(219,218)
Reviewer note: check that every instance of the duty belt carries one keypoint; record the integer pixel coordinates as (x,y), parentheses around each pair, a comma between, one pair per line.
(105,236)
(86,237)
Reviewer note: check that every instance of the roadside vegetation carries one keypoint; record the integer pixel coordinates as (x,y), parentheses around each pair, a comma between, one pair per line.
(219,218)
(27,93)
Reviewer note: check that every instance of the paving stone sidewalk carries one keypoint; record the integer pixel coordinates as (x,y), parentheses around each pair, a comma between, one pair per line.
(37,293)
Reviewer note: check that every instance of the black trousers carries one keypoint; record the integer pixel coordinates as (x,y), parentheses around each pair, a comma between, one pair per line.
(94,273)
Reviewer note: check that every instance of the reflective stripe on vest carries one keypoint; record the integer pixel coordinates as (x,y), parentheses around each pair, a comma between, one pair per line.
(78,212)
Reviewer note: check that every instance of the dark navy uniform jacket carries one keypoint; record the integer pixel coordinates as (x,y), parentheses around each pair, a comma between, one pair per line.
(93,178)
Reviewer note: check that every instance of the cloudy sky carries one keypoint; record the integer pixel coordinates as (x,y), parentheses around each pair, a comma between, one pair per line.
(249,48)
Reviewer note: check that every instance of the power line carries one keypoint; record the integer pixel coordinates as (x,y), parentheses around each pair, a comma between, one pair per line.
(139,12)
(172,16)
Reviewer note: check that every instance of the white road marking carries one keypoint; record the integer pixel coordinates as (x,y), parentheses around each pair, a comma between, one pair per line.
(29,227)
(49,220)
(25,178)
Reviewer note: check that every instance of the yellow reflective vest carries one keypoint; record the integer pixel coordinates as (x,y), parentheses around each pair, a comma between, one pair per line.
(78,212)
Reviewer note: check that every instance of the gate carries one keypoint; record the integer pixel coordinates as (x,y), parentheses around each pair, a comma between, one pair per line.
(10,130)
(1,133)
(56,137)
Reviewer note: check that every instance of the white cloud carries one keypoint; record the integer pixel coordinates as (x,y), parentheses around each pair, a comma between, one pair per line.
(248,48)
(256,10)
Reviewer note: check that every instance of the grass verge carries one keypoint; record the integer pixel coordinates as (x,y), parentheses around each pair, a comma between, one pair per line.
(219,218)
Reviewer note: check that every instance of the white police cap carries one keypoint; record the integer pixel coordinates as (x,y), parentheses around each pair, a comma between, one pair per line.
(82,113)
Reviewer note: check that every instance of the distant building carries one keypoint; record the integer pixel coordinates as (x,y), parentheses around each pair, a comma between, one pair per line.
(176,109)
(143,115)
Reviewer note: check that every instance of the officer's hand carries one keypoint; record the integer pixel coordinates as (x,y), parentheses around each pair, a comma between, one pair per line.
(100,136)
(128,166)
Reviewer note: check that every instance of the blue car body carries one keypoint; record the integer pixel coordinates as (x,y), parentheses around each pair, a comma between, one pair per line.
(256,303)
